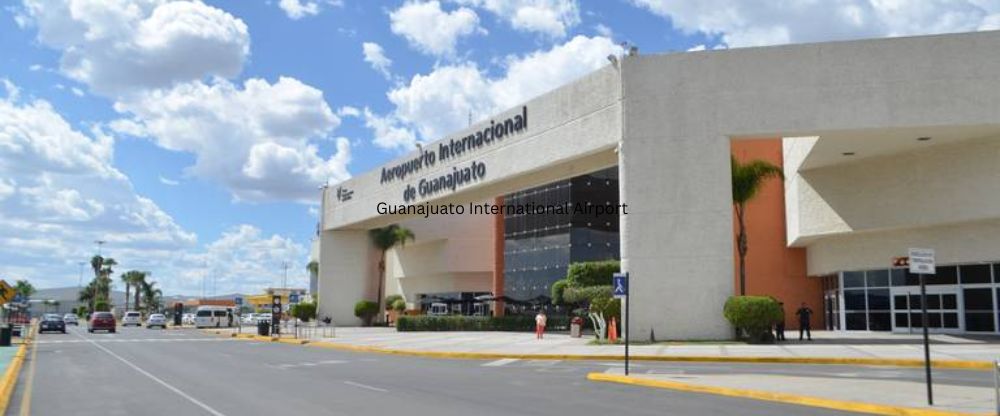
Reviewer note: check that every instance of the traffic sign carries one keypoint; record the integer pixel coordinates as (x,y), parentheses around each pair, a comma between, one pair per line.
(619,284)
(6,292)
(922,261)
(238,300)
(293,298)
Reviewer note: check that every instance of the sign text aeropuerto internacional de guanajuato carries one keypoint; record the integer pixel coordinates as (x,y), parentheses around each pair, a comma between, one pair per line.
(450,149)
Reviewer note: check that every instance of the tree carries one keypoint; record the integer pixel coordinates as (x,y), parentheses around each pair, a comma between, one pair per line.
(748,178)
(313,268)
(151,296)
(386,238)
(24,288)
(133,278)
(366,309)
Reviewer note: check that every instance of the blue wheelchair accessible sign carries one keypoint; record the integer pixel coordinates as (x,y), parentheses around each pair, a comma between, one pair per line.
(619,282)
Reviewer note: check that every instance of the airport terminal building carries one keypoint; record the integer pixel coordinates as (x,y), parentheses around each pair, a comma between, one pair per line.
(885,145)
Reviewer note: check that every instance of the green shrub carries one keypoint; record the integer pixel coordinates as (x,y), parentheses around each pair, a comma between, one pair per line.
(398,305)
(366,310)
(557,291)
(391,299)
(306,311)
(582,295)
(518,323)
(102,306)
(753,315)
(592,273)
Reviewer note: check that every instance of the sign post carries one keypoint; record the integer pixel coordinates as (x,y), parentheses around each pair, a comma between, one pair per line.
(238,301)
(620,290)
(922,264)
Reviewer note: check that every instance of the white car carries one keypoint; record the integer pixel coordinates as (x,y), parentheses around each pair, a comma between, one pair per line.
(132,318)
(71,319)
(263,317)
(187,319)
(156,319)
(249,319)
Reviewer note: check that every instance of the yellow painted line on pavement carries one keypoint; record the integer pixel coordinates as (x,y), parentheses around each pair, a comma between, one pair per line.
(850,406)
(9,380)
(29,383)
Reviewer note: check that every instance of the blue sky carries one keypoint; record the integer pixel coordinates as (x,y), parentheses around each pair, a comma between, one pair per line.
(193,136)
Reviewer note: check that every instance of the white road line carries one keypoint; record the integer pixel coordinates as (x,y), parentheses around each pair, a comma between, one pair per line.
(365,386)
(501,362)
(207,408)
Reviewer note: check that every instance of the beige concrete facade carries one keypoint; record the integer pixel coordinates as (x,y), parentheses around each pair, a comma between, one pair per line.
(667,122)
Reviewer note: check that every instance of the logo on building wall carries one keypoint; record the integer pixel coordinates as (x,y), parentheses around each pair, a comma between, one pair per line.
(344,194)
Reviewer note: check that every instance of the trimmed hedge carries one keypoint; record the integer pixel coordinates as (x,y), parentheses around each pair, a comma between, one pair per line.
(592,273)
(517,323)
(755,315)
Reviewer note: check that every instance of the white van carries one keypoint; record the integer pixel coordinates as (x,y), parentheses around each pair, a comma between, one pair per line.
(214,317)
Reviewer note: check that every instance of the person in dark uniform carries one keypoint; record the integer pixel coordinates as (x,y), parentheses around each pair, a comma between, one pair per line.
(804,314)
(779,327)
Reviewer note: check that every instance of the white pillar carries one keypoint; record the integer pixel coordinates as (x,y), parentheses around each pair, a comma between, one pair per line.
(346,266)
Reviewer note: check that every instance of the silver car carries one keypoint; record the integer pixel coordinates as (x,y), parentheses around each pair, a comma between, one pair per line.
(71,319)
(157,320)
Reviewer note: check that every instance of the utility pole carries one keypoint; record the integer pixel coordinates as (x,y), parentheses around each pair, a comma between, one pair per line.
(284,280)
(99,244)
(79,282)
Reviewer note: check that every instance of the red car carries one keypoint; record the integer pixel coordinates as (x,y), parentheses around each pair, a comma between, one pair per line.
(101,321)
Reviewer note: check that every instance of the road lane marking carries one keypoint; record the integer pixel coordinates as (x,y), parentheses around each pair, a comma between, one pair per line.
(365,386)
(29,382)
(501,362)
(170,387)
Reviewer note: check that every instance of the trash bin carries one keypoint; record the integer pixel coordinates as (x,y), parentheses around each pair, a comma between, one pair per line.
(5,332)
(263,328)
(575,327)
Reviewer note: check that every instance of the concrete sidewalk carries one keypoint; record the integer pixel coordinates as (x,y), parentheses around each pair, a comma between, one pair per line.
(825,345)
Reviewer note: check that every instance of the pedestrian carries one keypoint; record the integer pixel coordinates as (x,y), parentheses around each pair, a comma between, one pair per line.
(804,314)
(779,327)
(540,321)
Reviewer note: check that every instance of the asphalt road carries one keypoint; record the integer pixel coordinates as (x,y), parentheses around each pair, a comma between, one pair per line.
(156,372)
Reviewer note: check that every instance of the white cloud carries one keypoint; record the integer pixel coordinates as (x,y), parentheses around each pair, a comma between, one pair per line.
(296,9)
(742,23)
(604,30)
(375,56)
(115,46)
(432,30)
(348,111)
(169,182)
(255,140)
(388,131)
(59,193)
(549,17)
(439,103)
(76,91)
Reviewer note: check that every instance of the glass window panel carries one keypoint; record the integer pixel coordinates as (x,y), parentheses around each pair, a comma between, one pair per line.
(856,321)
(902,320)
(878,278)
(900,301)
(946,275)
(979,322)
(975,273)
(978,299)
(915,302)
(879,321)
(933,301)
(950,320)
(949,301)
(854,279)
(934,320)
(898,277)
(854,300)
(915,320)
(912,279)
(878,299)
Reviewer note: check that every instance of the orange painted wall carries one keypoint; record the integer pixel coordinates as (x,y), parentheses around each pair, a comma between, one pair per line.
(772,267)
(498,258)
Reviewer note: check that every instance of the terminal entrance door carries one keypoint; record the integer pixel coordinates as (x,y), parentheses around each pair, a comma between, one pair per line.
(942,310)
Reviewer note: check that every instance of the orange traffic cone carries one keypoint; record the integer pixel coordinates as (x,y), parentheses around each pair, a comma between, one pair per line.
(613,332)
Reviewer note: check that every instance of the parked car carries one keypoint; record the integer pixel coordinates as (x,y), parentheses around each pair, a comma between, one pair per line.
(71,319)
(263,317)
(187,319)
(132,318)
(51,322)
(249,319)
(101,321)
(156,320)
(214,317)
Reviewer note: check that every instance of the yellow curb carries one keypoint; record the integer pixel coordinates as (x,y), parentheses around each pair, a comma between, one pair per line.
(10,377)
(849,406)
(293,341)
(951,364)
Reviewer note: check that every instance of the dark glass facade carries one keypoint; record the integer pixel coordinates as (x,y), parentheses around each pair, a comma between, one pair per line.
(538,248)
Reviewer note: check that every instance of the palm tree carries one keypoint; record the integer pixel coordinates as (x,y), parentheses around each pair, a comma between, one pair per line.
(747,181)
(386,238)
(131,279)
(313,268)
(151,296)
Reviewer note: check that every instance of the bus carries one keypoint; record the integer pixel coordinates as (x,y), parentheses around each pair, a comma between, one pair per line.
(215,317)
